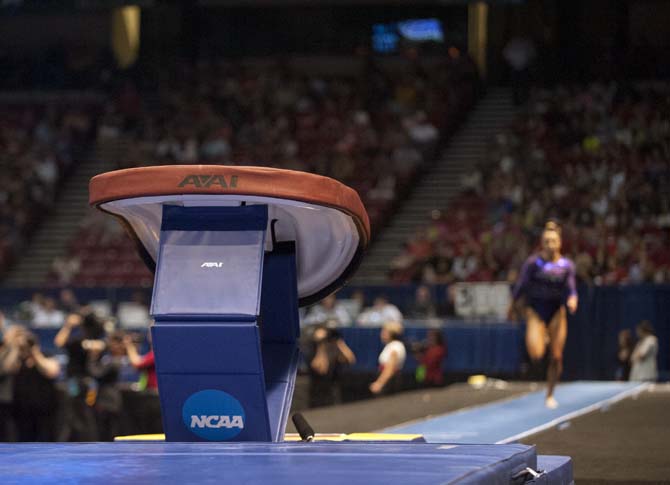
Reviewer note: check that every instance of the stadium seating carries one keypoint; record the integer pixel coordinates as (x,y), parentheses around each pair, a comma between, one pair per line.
(39,143)
(595,159)
(375,141)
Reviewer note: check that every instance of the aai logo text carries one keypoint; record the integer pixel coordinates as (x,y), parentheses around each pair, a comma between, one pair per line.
(207,181)
(212,264)
(213,415)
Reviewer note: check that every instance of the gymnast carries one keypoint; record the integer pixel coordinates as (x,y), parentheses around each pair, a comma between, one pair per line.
(547,281)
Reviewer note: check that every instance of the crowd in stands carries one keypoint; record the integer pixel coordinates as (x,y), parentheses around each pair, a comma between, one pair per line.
(39,145)
(101,254)
(49,310)
(595,158)
(275,115)
(372,130)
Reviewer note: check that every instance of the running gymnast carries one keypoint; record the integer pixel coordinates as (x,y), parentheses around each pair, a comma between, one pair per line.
(547,280)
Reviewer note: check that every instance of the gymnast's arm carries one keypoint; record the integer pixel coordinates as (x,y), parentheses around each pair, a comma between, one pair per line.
(572,288)
(519,288)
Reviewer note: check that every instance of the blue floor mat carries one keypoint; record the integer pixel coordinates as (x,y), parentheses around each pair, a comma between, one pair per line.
(260,463)
(510,420)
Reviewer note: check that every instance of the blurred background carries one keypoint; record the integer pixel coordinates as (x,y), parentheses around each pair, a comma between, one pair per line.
(463,126)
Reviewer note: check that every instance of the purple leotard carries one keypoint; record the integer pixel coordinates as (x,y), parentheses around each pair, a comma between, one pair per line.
(546,285)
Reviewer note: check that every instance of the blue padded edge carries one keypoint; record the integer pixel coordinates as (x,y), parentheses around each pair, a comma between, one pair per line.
(238,218)
(193,348)
(277,463)
(280,364)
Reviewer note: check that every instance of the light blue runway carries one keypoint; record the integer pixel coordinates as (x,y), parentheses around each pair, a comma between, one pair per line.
(509,420)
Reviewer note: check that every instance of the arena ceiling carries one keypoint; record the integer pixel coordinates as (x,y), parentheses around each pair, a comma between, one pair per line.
(19,6)
(277,3)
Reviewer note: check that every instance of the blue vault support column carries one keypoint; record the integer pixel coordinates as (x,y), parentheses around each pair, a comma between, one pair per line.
(226,325)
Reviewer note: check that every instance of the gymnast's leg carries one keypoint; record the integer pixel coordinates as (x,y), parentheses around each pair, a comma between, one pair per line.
(558,332)
(536,336)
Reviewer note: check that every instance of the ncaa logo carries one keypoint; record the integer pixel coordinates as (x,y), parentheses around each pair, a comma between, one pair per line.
(213,415)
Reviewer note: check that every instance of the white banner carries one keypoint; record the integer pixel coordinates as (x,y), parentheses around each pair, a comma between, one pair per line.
(477,300)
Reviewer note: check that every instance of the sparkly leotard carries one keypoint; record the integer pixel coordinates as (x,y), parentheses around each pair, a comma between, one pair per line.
(546,285)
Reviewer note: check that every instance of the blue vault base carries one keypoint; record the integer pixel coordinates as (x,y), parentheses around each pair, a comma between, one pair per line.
(277,463)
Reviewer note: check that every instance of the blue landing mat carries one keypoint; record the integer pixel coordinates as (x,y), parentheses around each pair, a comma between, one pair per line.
(510,420)
(260,463)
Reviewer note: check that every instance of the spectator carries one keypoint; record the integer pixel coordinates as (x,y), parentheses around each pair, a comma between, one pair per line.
(68,301)
(465,265)
(8,358)
(35,305)
(327,355)
(380,312)
(330,311)
(423,307)
(519,53)
(391,360)
(431,356)
(624,355)
(34,391)
(421,130)
(355,304)
(104,365)
(448,307)
(82,333)
(471,181)
(147,385)
(644,356)
(48,315)
(65,269)
(145,363)
(134,314)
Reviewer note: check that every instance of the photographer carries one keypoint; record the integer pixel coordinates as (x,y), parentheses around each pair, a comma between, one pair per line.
(35,396)
(8,364)
(326,354)
(104,364)
(81,334)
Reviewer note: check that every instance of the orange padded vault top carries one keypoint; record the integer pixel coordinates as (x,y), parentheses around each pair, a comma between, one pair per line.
(325,218)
